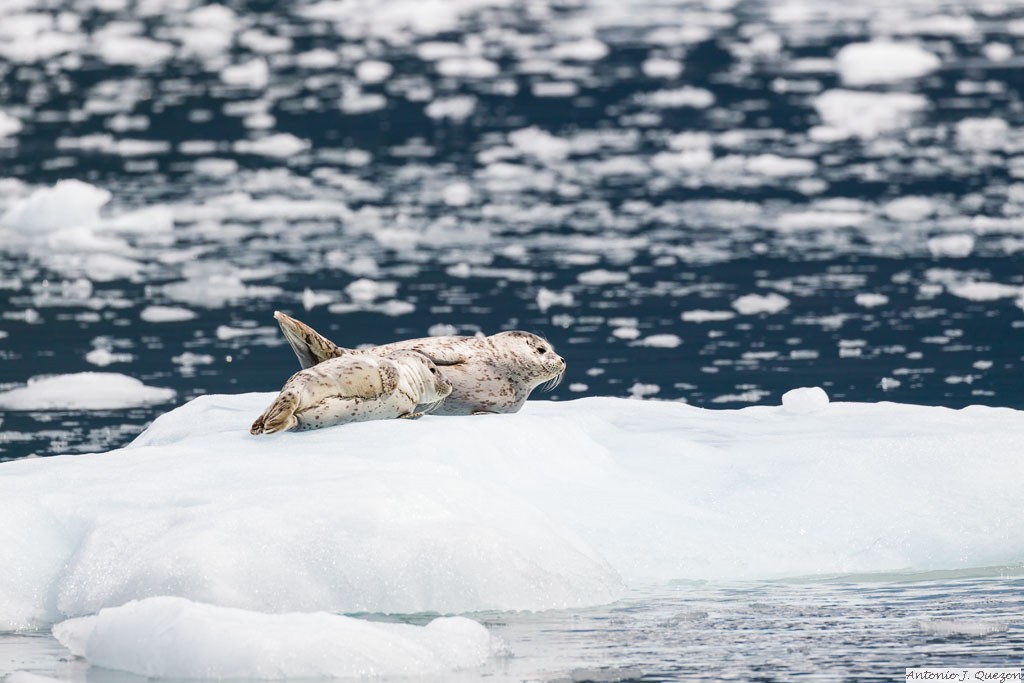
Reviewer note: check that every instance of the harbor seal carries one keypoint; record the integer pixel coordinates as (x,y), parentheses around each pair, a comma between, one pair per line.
(355,388)
(492,374)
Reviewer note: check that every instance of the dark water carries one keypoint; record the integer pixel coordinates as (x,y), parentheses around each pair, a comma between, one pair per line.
(639,162)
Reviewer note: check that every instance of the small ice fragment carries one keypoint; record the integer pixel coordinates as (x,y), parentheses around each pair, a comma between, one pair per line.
(166,314)
(601,276)
(657,67)
(702,316)
(457,194)
(889,383)
(547,298)
(752,304)
(640,390)
(442,330)
(883,61)
(954,246)
(253,74)
(661,341)
(804,400)
(577,387)
(373,71)
(870,300)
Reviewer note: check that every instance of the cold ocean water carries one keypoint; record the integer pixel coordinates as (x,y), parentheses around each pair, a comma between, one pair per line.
(713,202)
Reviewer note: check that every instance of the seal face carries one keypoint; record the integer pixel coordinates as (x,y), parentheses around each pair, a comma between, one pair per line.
(492,374)
(355,388)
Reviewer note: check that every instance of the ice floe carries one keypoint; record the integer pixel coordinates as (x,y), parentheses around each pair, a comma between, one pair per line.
(84,391)
(560,505)
(170,637)
(883,61)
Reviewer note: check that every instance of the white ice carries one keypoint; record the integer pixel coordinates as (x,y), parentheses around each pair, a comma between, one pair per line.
(561,505)
(884,61)
(83,391)
(172,637)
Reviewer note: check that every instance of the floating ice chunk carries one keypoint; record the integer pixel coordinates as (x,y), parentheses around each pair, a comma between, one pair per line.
(215,291)
(775,166)
(540,144)
(997,52)
(554,89)
(457,194)
(547,298)
(804,401)
(658,67)
(41,46)
(586,50)
(28,677)
(320,58)
(909,209)
(640,390)
(9,125)
(702,316)
(889,383)
(682,162)
(687,96)
(870,299)
(602,277)
(311,299)
(68,203)
(984,291)
(373,71)
(867,114)
(280,145)
(253,74)
(626,332)
(366,290)
(105,357)
(458,108)
(661,341)
(355,101)
(226,332)
(955,246)
(982,133)
(884,61)
(752,304)
(166,314)
(467,67)
(133,50)
(442,330)
(84,391)
(168,637)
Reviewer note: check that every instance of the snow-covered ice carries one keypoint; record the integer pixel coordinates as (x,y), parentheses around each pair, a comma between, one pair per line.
(172,637)
(561,505)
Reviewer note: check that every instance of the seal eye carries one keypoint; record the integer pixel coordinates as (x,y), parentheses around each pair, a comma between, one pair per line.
(433,371)
(541,349)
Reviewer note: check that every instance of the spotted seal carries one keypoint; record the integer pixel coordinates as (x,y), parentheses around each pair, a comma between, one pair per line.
(355,388)
(492,374)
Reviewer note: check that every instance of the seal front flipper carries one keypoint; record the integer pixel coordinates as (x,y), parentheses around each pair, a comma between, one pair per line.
(310,346)
(279,417)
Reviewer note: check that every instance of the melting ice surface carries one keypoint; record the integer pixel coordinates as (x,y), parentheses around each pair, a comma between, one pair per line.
(564,505)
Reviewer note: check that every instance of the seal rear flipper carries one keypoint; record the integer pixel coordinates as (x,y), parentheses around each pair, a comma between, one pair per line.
(279,417)
(310,346)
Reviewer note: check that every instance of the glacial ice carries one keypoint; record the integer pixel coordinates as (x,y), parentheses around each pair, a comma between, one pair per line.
(84,391)
(171,637)
(561,505)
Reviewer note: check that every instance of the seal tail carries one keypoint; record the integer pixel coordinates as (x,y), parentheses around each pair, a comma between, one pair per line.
(310,346)
(279,417)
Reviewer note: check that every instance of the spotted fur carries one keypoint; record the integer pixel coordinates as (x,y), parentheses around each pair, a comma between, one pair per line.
(494,374)
(355,388)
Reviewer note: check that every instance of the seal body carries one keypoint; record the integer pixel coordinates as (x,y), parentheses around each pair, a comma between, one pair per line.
(355,388)
(494,374)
